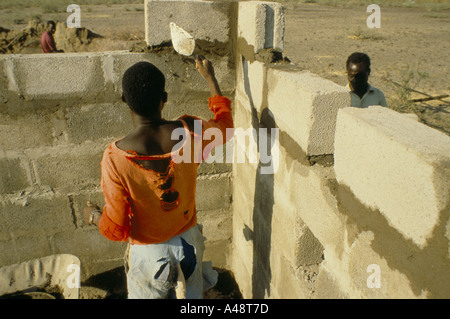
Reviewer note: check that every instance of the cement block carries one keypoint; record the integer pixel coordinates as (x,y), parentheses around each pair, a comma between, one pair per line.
(327,287)
(305,106)
(8,255)
(215,167)
(70,169)
(8,75)
(290,235)
(87,244)
(396,165)
(217,229)
(179,104)
(251,84)
(372,276)
(261,25)
(211,23)
(213,192)
(217,253)
(285,281)
(216,225)
(25,131)
(14,175)
(243,245)
(3,80)
(98,121)
(94,267)
(30,245)
(242,276)
(54,76)
(243,204)
(48,214)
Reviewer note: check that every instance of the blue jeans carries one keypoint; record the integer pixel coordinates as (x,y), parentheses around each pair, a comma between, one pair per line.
(152,269)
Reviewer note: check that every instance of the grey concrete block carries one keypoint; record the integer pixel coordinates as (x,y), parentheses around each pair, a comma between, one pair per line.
(306,106)
(327,287)
(70,171)
(211,23)
(398,166)
(310,250)
(31,245)
(213,192)
(55,76)
(3,80)
(87,244)
(13,175)
(8,77)
(216,225)
(48,214)
(94,267)
(214,168)
(25,131)
(8,255)
(98,121)
(180,104)
(217,253)
(261,25)
(217,229)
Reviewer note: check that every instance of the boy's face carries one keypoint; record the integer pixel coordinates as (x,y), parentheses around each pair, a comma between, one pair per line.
(358,76)
(51,28)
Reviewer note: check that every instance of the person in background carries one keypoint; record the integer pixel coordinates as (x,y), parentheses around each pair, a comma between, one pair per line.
(47,41)
(362,93)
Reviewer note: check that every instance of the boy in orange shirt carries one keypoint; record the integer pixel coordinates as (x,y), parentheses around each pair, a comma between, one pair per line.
(150,193)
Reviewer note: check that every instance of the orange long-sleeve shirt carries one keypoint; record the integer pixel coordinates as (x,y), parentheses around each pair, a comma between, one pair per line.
(140,205)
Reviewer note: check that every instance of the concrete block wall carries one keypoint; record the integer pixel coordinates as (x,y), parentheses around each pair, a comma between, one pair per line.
(213,20)
(58,113)
(358,205)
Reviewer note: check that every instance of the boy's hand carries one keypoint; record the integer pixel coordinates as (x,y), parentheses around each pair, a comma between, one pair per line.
(206,70)
(204,67)
(91,214)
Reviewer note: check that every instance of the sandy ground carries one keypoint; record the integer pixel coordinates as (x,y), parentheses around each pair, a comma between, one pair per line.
(317,38)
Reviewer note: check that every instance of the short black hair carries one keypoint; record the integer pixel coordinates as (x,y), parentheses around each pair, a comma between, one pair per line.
(51,22)
(358,57)
(143,88)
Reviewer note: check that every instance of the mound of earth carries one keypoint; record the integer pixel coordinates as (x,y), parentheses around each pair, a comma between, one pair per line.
(28,39)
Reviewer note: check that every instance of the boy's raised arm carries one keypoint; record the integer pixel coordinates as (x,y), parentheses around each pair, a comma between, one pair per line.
(206,70)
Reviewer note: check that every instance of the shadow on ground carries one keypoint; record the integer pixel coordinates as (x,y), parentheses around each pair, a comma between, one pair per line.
(112,285)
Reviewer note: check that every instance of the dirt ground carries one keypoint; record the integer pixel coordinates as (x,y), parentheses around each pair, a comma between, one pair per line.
(317,38)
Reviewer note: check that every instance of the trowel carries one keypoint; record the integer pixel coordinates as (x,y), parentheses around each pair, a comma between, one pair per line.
(182,41)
